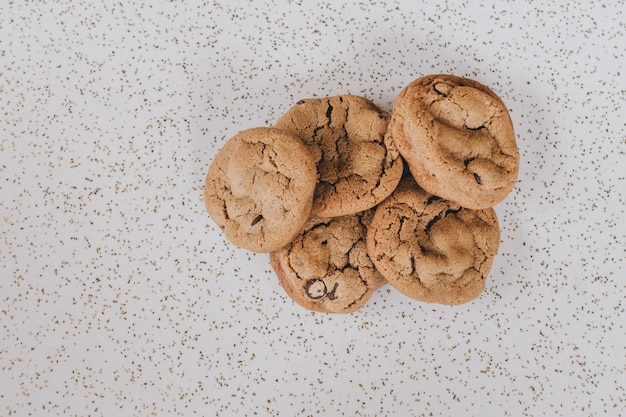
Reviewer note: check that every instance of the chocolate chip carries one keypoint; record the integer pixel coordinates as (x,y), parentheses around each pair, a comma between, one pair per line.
(256,220)
(300,102)
(477,178)
(331,295)
(315,288)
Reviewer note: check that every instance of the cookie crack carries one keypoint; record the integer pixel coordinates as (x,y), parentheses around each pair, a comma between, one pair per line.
(348,264)
(315,140)
(365,292)
(438,217)
(465,126)
(224,212)
(485,257)
(385,165)
(358,300)
(315,227)
(288,260)
(265,153)
(477,177)
(432,199)
(414,267)
(329,114)
(325,148)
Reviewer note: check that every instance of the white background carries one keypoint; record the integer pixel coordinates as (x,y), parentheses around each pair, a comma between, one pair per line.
(119,296)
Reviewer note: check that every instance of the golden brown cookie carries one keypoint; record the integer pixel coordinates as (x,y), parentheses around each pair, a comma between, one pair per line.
(326,268)
(259,188)
(430,249)
(457,138)
(358,166)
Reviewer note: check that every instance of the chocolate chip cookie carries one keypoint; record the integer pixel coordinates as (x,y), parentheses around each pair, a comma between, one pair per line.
(457,137)
(358,165)
(430,249)
(326,268)
(259,188)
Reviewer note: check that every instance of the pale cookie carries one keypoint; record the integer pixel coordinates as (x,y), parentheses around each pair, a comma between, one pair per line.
(430,249)
(326,268)
(358,166)
(259,188)
(457,138)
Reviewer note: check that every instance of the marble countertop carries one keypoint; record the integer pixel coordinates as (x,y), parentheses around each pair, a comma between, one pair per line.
(119,295)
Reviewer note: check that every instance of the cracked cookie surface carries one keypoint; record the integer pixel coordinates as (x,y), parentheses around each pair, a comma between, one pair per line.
(259,188)
(326,268)
(430,249)
(358,165)
(457,138)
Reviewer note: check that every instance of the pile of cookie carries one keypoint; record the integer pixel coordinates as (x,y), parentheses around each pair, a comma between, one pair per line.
(346,198)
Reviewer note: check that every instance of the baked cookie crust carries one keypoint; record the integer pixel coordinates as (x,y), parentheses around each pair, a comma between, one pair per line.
(358,165)
(326,268)
(430,249)
(457,138)
(259,188)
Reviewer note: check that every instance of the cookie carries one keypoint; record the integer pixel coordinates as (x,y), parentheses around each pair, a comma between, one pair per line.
(259,188)
(326,268)
(358,165)
(457,137)
(430,249)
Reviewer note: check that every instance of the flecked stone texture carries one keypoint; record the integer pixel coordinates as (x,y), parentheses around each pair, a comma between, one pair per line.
(118,296)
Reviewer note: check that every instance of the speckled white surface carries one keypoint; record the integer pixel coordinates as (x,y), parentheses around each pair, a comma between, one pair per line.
(119,296)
